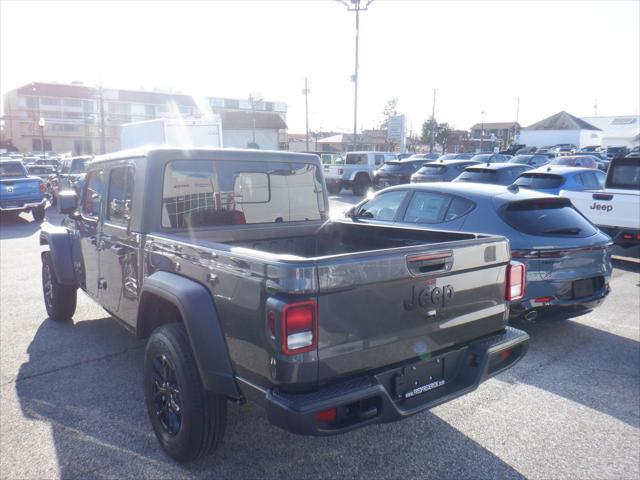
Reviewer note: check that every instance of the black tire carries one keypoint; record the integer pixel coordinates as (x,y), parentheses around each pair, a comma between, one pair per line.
(196,428)
(38,213)
(360,185)
(59,300)
(334,188)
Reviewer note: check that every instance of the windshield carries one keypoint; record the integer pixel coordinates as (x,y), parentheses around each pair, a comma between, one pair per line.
(548,217)
(206,193)
(478,175)
(12,169)
(432,169)
(79,166)
(484,158)
(521,159)
(539,181)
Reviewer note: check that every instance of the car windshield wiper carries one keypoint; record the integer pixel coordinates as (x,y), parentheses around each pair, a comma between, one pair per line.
(568,231)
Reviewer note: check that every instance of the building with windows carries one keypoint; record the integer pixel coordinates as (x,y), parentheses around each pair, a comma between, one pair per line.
(487,136)
(84,119)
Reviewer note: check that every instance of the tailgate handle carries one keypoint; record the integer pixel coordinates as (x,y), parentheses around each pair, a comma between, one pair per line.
(430,262)
(602,196)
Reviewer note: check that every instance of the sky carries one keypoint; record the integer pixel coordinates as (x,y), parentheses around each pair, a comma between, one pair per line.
(479,56)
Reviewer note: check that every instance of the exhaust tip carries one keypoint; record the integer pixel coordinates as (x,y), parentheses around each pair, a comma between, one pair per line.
(531,315)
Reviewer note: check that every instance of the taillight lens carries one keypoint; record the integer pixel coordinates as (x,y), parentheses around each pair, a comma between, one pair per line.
(42,187)
(299,327)
(515,281)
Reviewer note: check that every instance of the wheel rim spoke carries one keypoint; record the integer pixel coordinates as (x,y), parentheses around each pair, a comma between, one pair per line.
(166,395)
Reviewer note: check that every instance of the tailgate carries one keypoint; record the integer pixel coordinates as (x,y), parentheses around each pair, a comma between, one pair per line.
(610,209)
(379,308)
(18,188)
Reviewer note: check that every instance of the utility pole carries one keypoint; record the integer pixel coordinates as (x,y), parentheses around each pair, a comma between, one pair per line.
(433,121)
(306,108)
(595,108)
(356,6)
(102,134)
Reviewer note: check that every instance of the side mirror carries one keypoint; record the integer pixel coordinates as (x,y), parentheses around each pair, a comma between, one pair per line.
(68,201)
(350,213)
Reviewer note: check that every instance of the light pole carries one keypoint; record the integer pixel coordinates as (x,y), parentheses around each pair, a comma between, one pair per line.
(41,125)
(481,129)
(306,108)
(356,6)
(253,99)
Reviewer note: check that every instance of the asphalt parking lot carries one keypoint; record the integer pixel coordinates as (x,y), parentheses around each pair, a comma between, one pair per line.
(71,400)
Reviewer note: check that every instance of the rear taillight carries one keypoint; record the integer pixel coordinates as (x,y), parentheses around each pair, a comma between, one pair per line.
(514,289)
(299,327)
(42,187)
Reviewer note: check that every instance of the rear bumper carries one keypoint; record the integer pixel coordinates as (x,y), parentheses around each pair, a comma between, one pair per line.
(373,398)
(519,308)
(9,205)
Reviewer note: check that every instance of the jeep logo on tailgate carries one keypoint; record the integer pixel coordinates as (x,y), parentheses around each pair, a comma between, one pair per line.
(600,206)
(429,296)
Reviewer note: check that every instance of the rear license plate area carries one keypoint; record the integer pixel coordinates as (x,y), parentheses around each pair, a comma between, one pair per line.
(420,378)
(587,286)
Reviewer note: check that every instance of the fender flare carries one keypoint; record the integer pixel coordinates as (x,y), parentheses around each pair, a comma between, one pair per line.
(360,172)
(201,321)
(60,242)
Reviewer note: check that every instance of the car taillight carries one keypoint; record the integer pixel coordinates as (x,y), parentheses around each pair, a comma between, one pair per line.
(515,281)
(299,327)
(42,187)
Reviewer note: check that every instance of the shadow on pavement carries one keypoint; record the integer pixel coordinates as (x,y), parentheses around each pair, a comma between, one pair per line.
(85,381)
(17,225)
(586,365)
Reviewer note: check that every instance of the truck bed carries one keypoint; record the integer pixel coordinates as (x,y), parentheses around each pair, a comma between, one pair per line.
(316,242)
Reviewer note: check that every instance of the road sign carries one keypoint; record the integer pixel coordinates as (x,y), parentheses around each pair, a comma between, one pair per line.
(396,131)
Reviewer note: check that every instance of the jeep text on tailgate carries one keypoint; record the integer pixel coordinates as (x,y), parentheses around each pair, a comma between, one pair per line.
(226,261)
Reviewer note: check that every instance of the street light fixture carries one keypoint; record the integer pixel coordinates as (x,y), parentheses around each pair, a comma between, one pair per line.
(356,6)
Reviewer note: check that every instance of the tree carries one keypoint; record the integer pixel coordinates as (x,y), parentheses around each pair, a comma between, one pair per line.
(442,136)
(388,112)
(428,128)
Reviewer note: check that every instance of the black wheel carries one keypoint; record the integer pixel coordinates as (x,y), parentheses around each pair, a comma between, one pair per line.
(334,188)
(188,421)
(38,213)
(360,185)
(59,300)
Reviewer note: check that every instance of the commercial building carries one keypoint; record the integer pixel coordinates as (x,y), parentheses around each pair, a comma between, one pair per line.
(561,128)
(86,119)
(620,131)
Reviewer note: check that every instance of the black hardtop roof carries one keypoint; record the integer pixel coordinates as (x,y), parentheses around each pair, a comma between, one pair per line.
(176,153)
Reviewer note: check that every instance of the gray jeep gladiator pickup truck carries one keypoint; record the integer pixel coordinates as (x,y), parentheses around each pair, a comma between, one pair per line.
(226,260)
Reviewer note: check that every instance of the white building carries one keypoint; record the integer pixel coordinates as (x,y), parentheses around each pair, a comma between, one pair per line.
(561,128)
(621,131)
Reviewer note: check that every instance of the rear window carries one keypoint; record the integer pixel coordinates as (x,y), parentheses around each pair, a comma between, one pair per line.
(624,174)
(553,217)
(208,193)
(477,175)
(433,169)
(522,159)
(539,181)
(356,159)
(12,169)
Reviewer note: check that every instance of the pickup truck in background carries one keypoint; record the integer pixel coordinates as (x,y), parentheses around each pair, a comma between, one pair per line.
(227,262)
(20,192)
(357,171)
(616,208)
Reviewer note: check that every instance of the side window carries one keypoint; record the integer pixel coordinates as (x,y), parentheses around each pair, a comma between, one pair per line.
(427,207)
(457,208)
(600,177)
(379,159)
(92,194)
(383,206)
(120,195)
(579,179)
(590,180)
(538,160)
